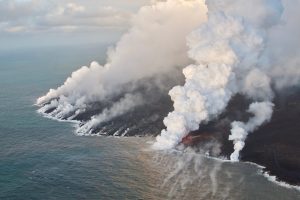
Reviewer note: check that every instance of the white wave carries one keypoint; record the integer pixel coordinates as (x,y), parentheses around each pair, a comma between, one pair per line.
(280,183)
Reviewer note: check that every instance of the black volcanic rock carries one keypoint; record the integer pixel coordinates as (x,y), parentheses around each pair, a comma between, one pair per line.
(220,127)
(142,120)
(276,145)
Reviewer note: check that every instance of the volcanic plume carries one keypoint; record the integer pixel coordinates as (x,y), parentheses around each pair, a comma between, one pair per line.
(147,58)
(205,55)
(232,55)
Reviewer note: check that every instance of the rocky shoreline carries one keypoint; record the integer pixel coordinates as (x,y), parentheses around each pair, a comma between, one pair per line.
(275,145)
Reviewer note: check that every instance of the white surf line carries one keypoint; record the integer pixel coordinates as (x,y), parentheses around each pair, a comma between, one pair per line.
(269,177)
(277,182)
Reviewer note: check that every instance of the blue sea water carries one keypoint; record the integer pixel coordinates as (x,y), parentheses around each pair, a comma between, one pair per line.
(43,159)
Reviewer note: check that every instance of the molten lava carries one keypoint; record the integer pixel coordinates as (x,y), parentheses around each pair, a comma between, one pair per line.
(192,140)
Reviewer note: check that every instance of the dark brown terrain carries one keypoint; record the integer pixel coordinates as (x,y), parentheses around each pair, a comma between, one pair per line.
(275,145)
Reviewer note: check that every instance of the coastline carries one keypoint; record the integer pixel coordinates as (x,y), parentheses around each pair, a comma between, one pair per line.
(273,147)
(262,172)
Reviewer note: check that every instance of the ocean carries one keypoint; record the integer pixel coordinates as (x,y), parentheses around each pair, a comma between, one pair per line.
(43,159)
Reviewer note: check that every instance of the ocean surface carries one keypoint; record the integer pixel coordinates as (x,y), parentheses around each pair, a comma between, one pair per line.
(43,159)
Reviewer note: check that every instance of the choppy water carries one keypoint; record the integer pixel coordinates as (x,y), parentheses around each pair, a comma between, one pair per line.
(43,159)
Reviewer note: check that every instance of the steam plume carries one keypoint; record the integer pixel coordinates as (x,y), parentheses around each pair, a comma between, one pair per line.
(120,107)
(155,44)
(227,48)
(262,112)
(229,53)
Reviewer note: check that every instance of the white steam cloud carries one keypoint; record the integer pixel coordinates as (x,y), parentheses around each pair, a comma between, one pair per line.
(229,47)
(228,50)
(118,108)
(262,112)
(155,44)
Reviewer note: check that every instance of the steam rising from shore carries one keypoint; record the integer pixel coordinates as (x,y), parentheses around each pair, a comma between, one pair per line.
(262,112)
(120,107)
(229,52)
(228,47)
(155,44)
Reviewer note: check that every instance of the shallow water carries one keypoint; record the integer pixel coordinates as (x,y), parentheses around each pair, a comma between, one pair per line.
(43,159)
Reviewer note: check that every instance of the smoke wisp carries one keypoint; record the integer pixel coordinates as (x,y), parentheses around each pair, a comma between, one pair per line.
(262,112)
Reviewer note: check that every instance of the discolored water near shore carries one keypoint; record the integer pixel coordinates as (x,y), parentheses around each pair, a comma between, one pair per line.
(274,145)
(44,159)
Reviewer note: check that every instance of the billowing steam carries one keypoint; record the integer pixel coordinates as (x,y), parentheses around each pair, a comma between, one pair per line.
(155,44)
(229,54)
(262,112)
(229,47)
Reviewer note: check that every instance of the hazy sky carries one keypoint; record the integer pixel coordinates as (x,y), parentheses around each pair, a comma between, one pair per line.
(51,22)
